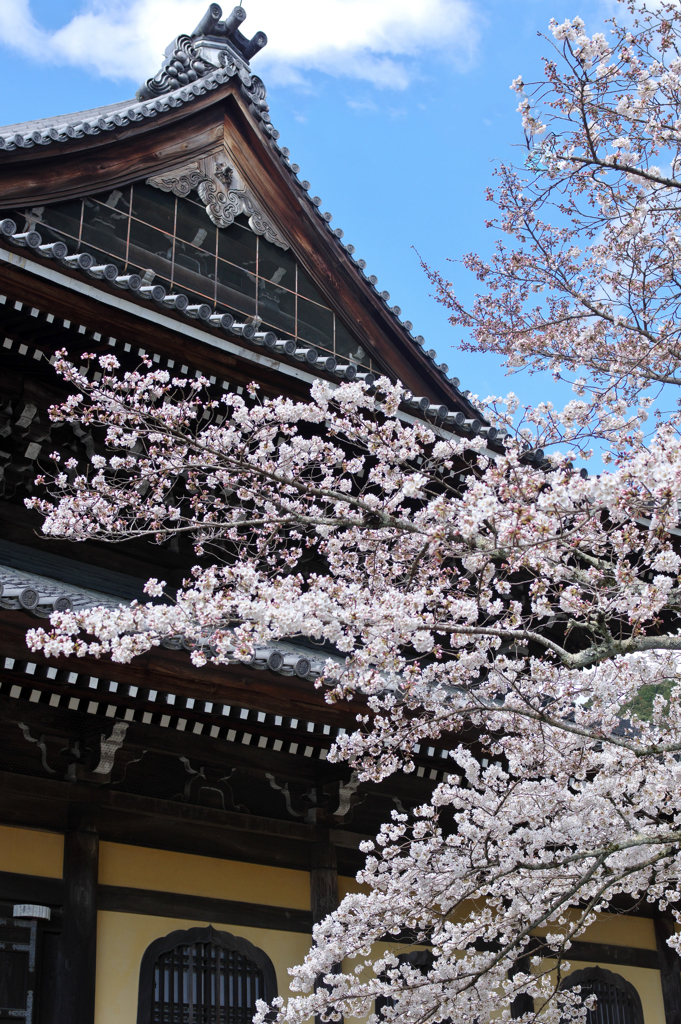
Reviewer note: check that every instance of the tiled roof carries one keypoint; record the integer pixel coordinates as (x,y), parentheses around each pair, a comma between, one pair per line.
(177,305)
(163,93)
(41,596)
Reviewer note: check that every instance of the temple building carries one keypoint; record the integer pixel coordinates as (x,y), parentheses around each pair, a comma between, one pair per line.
(169,835)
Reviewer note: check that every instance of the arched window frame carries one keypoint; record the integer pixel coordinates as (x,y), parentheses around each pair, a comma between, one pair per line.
(421,958)
(600,974)
(145,1001)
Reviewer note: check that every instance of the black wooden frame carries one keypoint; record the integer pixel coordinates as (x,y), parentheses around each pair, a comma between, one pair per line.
(600,974)
(184,938)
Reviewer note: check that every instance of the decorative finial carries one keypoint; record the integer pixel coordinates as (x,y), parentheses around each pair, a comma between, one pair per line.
(214,31)
(211,43)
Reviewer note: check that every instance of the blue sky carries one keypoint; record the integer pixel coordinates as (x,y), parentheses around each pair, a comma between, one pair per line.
(396,111)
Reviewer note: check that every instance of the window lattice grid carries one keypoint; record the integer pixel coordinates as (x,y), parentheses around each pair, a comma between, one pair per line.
(205,984)
(618,1001)
(144,230)
(614,1006)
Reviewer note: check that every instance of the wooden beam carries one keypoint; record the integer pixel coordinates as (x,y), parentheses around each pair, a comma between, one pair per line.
(18,888)
(323,879)
(670,969)
(323,891)
(169,741)
(606,953)
(78,941)
(200,908)
(104,800)
(147,740)
(170,825)
(88,165)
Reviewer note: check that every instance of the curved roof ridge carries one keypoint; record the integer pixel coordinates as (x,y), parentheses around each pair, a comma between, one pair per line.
(25,127)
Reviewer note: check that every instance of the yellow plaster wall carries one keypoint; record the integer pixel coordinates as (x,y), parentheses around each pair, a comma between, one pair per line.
(347,884)
(164,870)
(123,938)
(29,852)
(622,931)
(616,929)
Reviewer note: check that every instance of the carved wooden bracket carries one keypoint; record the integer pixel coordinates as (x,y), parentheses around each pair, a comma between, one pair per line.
(225,195)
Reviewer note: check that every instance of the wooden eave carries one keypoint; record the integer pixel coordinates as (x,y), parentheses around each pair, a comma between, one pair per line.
(153,336)
(170,671)
(210,125)
(79,167)
(167,671)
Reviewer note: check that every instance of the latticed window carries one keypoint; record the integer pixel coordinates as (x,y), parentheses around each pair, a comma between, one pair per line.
(19,956)
(618,1001)
(422,959)
(203,976)
(172,242)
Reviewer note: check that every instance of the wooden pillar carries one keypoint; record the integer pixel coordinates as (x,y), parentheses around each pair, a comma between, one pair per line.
(323,880)
(323,889)
(78,942)
(670,969)
(523,1003)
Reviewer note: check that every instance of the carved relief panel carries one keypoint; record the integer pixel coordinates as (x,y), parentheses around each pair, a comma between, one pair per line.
(225,195)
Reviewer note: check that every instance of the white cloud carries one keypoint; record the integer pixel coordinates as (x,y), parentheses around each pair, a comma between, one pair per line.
(380,41)
(376,40)
(15,19)
(363,106)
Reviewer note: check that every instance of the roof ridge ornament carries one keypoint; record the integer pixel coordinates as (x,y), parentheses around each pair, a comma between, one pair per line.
(220,33)
(213,44)
(225,195)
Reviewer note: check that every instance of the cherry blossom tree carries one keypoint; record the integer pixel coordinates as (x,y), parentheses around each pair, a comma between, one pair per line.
(470,587)
(589,280)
